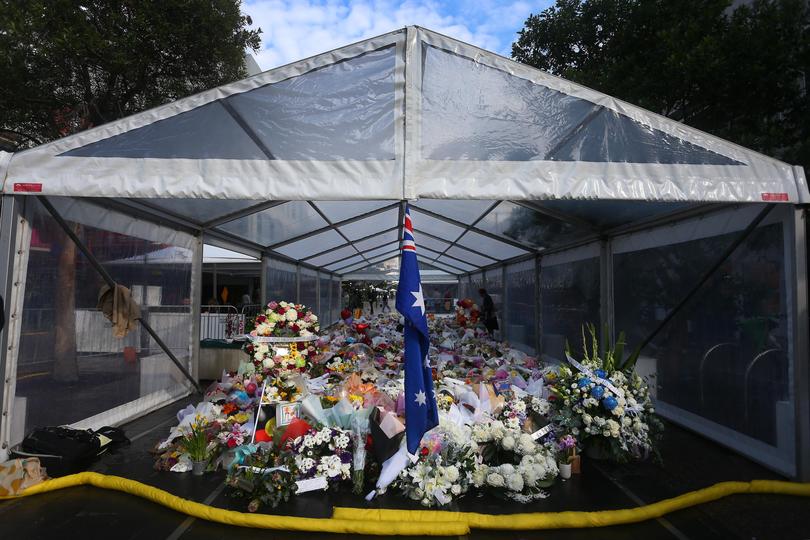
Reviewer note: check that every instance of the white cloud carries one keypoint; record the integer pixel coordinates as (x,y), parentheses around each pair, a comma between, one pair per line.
(292,30)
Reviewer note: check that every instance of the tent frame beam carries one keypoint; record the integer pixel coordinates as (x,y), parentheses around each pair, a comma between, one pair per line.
(559,216)
(471,227)
(233,216)
(335,228)
(467,228)
(362,239)
(331,226)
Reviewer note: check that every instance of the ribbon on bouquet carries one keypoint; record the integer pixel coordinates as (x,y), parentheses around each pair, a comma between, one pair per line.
(587,371)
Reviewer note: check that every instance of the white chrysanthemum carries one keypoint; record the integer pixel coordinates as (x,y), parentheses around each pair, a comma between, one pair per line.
(342,441)
(508,442)
(515,482)
(330,466)
(527,444)
(451,473)
(541,406)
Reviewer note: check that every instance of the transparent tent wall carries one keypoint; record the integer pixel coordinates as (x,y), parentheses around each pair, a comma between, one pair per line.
(323,306)
(569,298)
(723,366)
(70,366)
(464,288)
(337,300)
(308,290)
(521,327)
(281,281)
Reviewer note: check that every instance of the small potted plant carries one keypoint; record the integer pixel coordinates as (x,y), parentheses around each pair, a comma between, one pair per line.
(566,452)
(195,444)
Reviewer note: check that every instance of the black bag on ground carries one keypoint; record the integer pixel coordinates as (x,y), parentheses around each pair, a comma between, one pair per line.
(62,450)
(116,435)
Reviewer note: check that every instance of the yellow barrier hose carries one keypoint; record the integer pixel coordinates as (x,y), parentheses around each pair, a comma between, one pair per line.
(242,519)
(419,522)
(567,520)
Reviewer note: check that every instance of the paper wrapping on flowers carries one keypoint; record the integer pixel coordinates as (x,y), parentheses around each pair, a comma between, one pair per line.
(352,383)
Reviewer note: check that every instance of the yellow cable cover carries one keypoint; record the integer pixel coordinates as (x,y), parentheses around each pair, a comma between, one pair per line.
(418,522)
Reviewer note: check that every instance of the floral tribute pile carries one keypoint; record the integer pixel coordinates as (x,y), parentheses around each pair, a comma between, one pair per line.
(507,422)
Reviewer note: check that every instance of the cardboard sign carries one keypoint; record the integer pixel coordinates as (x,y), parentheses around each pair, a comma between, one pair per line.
(311,484)
(286,412)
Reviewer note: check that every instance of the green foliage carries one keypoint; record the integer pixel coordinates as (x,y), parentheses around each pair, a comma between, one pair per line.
(610,356)
(738,73)
(68,65)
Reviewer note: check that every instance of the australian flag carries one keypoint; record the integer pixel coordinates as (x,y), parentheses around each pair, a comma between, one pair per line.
(421,412)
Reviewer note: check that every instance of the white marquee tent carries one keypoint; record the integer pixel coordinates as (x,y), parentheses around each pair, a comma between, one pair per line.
(567,204)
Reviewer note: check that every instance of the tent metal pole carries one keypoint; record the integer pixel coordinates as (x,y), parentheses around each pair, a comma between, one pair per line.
(195,304)
(111,283)
(538,312)
(706,276)
(801,343)
(13,247)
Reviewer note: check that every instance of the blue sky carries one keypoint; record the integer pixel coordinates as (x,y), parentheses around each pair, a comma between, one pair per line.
(296,29)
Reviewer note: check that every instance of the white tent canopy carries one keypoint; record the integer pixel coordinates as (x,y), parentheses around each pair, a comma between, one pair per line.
(569,206)
(333,143)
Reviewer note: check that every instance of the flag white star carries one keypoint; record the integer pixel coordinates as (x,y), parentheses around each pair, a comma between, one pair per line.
(427,361)
(420,299)
(421,397)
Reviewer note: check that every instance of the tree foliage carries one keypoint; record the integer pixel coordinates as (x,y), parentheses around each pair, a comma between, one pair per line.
(737,71)
(68,65)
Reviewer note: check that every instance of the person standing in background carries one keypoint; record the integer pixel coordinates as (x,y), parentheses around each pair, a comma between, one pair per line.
(488,315)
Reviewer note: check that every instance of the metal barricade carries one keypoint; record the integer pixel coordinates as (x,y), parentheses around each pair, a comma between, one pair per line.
(219,322)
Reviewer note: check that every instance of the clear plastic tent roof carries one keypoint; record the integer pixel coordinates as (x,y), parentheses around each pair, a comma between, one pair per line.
(310,161)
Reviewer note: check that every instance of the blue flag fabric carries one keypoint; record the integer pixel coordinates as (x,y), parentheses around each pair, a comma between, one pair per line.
(421,411)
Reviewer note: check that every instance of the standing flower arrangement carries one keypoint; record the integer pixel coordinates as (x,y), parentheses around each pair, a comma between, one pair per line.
(444,468)
(608,409)
(283,320)
(514,466)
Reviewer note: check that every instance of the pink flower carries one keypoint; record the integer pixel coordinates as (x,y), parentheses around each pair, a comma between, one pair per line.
(273,305)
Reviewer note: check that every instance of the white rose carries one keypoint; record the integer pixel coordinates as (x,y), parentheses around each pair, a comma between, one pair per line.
(291,315)
(451,473)
(495,480)
(455,489)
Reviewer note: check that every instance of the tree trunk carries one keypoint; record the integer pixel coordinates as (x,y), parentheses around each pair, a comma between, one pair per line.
(65,365)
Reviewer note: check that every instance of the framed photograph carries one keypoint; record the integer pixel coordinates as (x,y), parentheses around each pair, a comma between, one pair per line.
(286,412)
